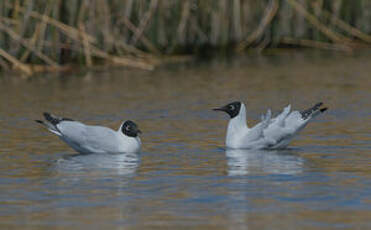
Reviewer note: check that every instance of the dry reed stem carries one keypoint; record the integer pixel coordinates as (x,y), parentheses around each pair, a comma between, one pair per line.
(43,26)
(144,22)
(183,22)
(16,64)
(315,44)
(129,48)
(335,37)
(27,45)
(86,46)
(121,60)
(113,40)
(263,44)
(4,65)
(196,28)
(346,27)
(102,29)
(75,34)
(237,20)
(71,31)
(32,42)
(142,38)
(10,21)
(130,62)
(270,12)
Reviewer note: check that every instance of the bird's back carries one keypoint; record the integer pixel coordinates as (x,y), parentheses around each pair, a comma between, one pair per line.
(89,138)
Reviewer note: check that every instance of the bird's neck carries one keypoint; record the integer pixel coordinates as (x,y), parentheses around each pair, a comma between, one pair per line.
(237,126)
(129,144)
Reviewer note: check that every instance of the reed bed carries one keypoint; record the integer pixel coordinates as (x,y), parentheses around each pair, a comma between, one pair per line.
(38,35)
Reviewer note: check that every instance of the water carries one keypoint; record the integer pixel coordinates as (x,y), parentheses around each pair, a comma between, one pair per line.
(184,178)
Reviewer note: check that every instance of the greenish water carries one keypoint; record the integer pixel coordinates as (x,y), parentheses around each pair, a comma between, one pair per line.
(184,178)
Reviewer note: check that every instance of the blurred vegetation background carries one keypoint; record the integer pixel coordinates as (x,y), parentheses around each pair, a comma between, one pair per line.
(38,35)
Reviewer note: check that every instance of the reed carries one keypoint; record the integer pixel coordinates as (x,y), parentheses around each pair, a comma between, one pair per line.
(51,35)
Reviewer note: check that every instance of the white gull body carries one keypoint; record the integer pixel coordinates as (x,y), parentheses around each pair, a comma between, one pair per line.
(94,139)
(270,133)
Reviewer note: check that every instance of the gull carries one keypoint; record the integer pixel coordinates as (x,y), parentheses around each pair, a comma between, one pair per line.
(270,133)
(94,139)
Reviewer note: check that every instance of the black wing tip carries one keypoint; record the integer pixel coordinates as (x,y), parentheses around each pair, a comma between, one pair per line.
(50,118)
(323,109)
(55,120)
(317,107)
(47,115)
(318,104)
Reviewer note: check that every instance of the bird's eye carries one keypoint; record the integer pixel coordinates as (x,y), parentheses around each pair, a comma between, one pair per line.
(127,128)
(231,107)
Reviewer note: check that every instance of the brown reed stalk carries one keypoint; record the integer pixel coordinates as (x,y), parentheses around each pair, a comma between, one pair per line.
(181,30)
(27,45)
(316,23)
(75,34)
(32,43)
(137,33)
(237,27)
(144,22)
(42,28)
(315,44)
(4,65)
(142,38)
(269,14)
(16,64)
(85,42)
(345,26)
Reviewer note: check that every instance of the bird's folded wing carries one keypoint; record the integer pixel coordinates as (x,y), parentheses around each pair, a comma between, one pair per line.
(256,132)
(280,119)
(89,138)
(101,138)
(277,127)
(294,121)
(73,131)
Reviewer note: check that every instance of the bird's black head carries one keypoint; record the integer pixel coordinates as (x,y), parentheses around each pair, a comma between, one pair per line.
(129,128)
(233,109)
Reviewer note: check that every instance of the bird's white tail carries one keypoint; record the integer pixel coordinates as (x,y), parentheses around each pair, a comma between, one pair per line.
(52,122)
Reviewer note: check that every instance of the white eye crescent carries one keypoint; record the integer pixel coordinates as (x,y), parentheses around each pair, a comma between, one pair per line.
(232,107)
(127,128)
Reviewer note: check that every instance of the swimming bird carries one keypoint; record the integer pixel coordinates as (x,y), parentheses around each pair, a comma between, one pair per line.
(94,139)
(270,133)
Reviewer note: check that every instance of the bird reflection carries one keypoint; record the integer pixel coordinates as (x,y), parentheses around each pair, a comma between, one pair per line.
(247,161)
(120,163)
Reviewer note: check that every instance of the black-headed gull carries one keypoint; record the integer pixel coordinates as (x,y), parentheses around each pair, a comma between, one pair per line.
(94,139)
(270,133)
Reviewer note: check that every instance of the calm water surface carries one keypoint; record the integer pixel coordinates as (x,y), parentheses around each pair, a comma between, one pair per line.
(184,178)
